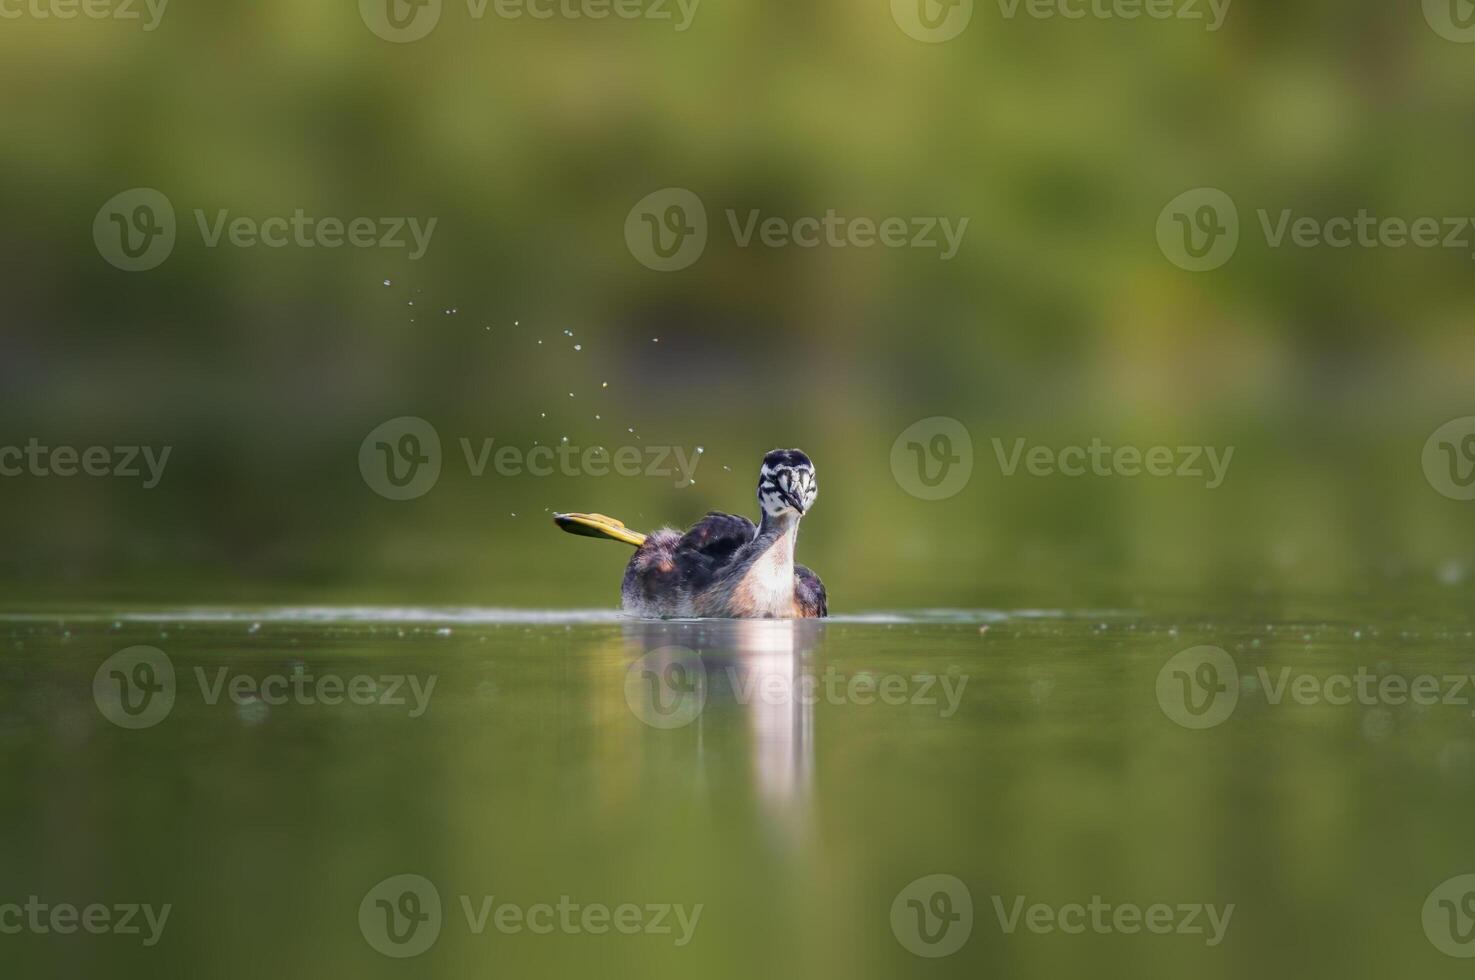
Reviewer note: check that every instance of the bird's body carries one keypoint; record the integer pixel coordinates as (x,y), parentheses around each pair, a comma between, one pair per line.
(724,565)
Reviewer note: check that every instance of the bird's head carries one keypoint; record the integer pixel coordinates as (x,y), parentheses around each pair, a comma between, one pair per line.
(786,484)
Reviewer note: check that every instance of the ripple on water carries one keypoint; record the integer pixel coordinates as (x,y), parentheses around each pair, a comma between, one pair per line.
(255,618)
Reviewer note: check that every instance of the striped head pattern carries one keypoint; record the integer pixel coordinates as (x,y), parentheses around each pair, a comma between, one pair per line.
(786,483)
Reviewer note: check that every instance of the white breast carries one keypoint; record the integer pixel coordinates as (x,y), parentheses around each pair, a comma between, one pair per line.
(768,586)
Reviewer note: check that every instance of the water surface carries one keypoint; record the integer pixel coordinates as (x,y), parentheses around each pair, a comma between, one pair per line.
(793,780)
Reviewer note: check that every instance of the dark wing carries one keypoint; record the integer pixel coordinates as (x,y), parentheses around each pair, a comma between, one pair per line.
(709,545)
(810,594)
(653,584)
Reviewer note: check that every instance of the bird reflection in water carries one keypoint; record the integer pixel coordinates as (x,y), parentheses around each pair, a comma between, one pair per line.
(734,683)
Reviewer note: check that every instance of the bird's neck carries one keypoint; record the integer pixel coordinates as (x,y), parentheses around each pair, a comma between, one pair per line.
(766,588)
(779,533)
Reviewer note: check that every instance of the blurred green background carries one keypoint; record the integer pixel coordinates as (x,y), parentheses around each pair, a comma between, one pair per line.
(1059,320)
